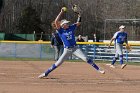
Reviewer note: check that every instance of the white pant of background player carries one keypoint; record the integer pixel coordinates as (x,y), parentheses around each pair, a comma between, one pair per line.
(119,50)
(68,52)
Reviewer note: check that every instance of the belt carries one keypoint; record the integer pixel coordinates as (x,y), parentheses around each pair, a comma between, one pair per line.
(70,46)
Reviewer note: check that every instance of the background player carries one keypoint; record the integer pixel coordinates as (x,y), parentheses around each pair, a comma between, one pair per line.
(56,43)
(119,37)
(66,33)
(80,39)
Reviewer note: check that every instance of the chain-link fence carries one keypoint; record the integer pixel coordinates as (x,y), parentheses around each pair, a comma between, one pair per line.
(43,50)
(132,28)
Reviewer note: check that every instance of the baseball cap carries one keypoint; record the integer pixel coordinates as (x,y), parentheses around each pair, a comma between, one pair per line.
(64,21)
(79,35)
(122,26)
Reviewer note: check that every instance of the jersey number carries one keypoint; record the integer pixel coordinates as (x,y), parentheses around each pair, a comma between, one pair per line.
(69,37)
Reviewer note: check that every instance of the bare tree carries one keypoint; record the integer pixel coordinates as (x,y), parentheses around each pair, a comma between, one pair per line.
(94,12)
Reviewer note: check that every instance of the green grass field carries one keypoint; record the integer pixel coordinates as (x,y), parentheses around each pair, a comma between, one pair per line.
(38,59)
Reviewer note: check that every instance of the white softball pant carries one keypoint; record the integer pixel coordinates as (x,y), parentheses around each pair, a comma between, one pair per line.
(69,51)
(119,50)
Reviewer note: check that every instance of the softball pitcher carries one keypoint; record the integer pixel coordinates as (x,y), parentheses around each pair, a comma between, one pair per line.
(119,37)
(66,32)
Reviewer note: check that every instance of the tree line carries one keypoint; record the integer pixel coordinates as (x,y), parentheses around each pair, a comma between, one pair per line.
(27,16)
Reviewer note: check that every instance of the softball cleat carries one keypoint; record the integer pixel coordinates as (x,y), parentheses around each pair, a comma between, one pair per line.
(42,75)
(102,71)
(112,66)
(123,65)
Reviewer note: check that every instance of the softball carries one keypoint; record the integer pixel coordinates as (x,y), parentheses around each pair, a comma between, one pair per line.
(64,9)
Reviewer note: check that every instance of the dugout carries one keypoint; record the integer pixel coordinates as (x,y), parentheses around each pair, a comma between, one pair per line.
(132,28)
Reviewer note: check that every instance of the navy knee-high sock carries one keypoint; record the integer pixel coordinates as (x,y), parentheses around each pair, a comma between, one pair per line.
(53,67)
(114,60)
(121,59)
(93,64)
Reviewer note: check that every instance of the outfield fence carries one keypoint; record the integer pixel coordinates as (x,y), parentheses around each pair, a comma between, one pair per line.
(43,50)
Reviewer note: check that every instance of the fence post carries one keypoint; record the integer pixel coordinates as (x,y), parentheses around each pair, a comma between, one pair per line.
(15,50)
(94,51)
(126,56)
(40,51)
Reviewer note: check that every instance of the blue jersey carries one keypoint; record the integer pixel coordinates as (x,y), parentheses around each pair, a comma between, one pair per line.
(120,37)
(67,36)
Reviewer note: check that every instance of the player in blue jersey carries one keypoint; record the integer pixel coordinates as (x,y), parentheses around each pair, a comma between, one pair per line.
(119,38)
(66,32)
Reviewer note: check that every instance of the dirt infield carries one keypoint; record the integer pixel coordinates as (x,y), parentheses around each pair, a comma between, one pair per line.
(21,77)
